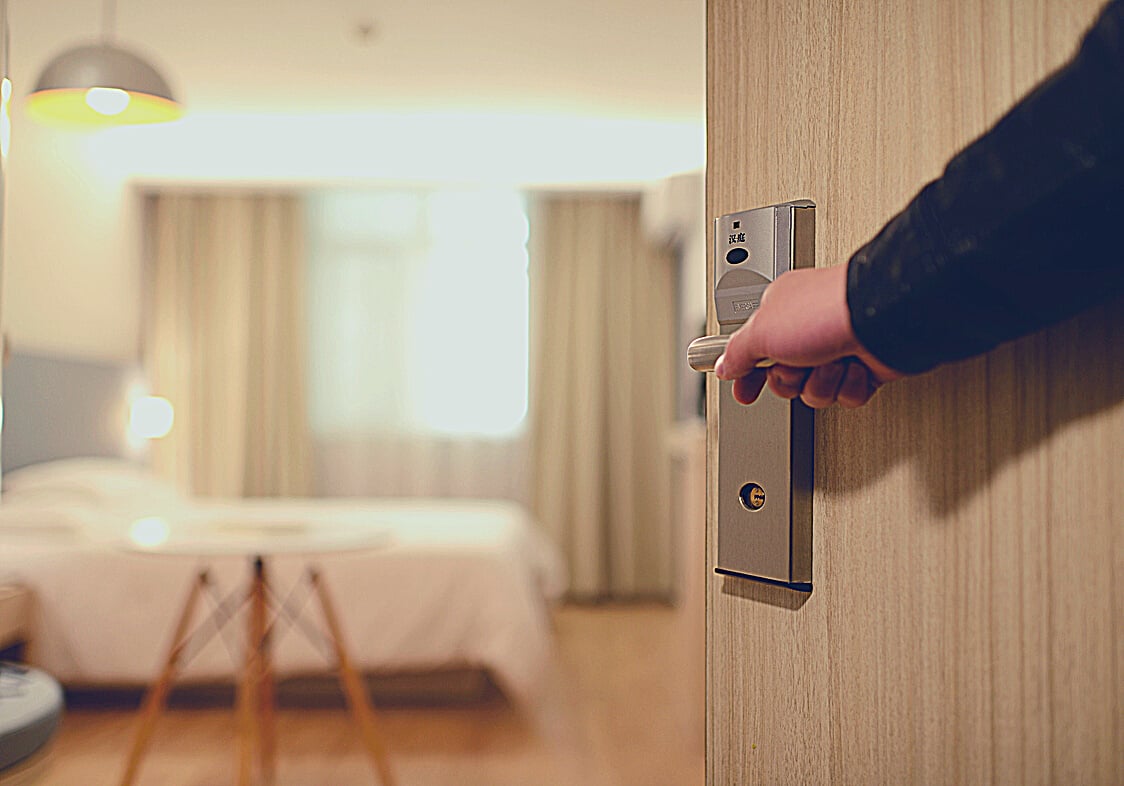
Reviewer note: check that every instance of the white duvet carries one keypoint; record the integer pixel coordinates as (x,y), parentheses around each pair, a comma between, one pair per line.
(450,583)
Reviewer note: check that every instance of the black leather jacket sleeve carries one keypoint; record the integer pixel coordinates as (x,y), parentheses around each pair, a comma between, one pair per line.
(1024,228)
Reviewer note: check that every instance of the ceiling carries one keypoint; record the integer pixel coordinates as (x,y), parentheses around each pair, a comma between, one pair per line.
(578,92)
(618,58)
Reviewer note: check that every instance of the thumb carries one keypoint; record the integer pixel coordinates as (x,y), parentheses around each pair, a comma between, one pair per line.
(742,352)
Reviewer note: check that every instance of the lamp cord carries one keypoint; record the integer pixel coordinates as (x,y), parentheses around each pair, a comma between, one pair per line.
(5,40)
(109,21)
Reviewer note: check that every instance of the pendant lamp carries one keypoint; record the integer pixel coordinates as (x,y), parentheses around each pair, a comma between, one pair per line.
(102,84)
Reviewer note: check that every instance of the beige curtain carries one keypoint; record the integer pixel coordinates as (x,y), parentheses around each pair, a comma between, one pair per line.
(602,393)
(224,340)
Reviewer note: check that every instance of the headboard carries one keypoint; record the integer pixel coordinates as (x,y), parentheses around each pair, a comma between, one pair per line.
(59,407)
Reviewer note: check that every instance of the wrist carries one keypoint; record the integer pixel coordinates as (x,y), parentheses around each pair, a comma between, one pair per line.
(849,341)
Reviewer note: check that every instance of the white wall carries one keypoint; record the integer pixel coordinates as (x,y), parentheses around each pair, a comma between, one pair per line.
(71,273)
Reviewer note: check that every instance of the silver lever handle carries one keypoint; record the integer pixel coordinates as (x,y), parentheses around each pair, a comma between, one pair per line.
(703,353)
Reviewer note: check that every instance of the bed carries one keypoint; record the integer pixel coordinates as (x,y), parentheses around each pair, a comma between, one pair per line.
(456,584)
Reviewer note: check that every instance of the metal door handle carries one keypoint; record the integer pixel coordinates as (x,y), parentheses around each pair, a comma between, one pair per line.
(703,353)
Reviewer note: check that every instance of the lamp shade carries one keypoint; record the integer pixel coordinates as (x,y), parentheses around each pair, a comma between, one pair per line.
(101,84)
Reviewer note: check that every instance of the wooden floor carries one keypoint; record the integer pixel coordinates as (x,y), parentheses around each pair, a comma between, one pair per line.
(616,711)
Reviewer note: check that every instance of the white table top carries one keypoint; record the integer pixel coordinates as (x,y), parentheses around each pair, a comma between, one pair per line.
(250,537)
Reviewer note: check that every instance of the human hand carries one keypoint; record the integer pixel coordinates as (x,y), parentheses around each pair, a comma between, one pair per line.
(804,325)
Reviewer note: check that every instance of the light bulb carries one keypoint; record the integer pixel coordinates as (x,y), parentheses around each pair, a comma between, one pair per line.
(151,417)
(107,101)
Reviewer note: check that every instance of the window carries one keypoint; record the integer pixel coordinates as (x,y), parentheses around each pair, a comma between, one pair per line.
(417,312)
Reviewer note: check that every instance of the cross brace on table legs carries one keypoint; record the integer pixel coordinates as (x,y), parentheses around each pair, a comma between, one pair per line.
(256,688)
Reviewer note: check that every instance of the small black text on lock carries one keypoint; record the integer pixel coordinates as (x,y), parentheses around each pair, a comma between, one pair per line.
(752,496)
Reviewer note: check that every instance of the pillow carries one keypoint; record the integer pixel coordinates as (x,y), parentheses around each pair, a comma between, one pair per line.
(101,482)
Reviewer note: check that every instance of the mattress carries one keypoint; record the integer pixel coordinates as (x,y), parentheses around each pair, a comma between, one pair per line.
(444,583)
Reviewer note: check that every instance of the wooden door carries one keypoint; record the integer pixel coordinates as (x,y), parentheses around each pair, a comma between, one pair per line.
(966,621)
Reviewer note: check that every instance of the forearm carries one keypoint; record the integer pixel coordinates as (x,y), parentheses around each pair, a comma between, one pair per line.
(1017,232)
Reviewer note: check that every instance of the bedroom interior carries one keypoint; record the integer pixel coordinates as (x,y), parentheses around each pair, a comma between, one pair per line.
(407,295)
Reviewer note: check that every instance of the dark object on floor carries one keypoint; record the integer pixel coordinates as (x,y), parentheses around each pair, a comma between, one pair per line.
(30,709)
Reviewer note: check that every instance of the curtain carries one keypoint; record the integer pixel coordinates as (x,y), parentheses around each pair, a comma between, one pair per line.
(417,318)
(224,340)
(602,391)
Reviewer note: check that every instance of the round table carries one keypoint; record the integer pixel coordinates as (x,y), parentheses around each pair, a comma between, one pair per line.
(256,539)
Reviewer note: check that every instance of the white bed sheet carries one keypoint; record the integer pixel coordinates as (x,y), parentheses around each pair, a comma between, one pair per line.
(461,582)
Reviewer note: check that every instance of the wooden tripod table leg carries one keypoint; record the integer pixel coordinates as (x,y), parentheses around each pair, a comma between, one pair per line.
(353,688)
(158,693)
(249,701)
(266,692)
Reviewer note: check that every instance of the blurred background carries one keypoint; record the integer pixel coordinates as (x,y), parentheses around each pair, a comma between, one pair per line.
(392,253)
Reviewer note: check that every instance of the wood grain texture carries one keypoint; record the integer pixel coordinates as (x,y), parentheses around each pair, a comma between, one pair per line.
(968,564)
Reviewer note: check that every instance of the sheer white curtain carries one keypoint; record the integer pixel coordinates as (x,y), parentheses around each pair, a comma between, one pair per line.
(602,392)
(224,340)
(417,307)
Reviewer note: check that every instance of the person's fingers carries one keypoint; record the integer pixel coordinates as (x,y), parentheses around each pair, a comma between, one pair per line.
(846,382)
(857,387)
(787,381)
(749,387)
(822,385)
(720,367)
(740,356)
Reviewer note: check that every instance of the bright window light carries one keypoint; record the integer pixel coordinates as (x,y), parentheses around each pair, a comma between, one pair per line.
(107,101)
(151,417)
(418,309)
(475,277)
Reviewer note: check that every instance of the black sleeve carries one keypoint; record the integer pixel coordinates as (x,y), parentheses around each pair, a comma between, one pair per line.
(1024,228)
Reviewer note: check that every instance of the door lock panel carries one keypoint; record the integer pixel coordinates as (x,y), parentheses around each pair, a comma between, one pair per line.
(765,461)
